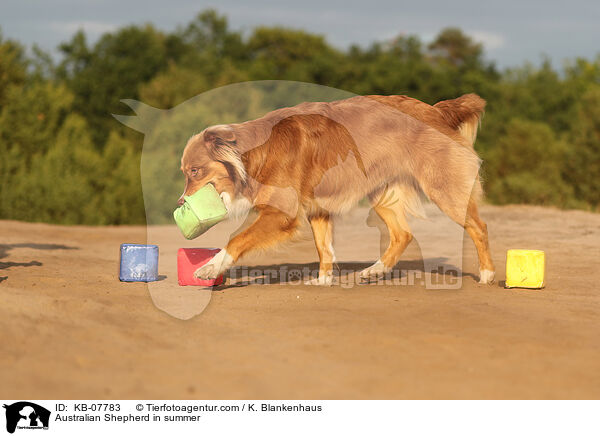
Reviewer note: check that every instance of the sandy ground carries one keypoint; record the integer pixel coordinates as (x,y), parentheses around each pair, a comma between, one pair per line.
(71,330)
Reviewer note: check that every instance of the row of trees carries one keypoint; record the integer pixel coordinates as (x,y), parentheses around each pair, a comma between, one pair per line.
(66,160)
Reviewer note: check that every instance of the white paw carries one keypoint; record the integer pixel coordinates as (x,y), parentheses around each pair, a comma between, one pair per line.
(215,267)
(322,280)
(378,269)
(207,272)
(486,276)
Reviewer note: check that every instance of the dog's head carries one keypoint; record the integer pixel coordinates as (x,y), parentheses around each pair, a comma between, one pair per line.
(212,156)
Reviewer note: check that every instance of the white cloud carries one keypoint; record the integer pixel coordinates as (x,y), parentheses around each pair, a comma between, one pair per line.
(490,41)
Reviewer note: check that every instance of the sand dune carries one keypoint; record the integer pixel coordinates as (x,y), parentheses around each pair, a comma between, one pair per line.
(70,329)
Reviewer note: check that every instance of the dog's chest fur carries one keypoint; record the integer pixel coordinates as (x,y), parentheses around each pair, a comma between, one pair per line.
(238,207)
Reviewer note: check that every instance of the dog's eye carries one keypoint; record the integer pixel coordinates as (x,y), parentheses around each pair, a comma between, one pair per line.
(194,172)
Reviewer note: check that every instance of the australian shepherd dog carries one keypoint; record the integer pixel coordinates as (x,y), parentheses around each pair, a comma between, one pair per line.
(316,160)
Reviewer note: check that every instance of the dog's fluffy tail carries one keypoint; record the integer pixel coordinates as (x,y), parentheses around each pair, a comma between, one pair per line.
(463,114)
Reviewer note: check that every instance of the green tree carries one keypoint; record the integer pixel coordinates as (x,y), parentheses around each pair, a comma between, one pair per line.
(121,197)
(583,169)
(279,53)
(526,166)
(30,120)
(174,86)
(13,67)
(61,185)
(455,47)
(208,48)
(110,71)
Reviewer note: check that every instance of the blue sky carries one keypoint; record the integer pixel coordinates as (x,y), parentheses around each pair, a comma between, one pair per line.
(512,31)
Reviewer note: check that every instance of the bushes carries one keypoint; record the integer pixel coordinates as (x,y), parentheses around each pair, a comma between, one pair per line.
(61,151)
(33,116)
(73,183)
(583,159)
(121,199)
(526,166)
(59,185)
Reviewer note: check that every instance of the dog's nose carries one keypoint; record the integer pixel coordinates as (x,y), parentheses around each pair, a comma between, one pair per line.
(180,201)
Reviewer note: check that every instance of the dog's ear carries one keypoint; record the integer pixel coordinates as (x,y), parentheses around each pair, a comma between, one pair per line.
(221,143)
(218,136)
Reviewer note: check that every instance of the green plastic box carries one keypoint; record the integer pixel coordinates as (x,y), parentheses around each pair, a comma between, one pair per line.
(200,212)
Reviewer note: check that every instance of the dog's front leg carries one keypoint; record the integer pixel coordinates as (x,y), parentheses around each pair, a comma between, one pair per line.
(271,226)
(220,263)
(322,228)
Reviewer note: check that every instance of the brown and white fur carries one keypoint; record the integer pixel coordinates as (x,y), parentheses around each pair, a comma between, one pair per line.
(316,160)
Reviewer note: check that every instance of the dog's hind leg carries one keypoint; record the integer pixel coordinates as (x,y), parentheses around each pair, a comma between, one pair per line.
(468,217)
(477,230)
(391,209)
(322,228)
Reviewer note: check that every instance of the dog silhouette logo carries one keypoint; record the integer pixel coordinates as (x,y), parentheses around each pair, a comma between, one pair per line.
(26,415)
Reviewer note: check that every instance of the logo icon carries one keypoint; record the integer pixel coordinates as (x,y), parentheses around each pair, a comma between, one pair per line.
(26,415)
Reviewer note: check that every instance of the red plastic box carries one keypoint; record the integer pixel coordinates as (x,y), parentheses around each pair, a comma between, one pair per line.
(189,260)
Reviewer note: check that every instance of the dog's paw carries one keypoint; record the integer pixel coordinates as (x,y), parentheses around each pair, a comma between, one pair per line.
(215,267)
(378,269)
(322,280)
(207,272)
(486,276)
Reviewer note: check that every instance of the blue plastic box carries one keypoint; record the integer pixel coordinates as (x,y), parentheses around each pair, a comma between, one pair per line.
(139,263)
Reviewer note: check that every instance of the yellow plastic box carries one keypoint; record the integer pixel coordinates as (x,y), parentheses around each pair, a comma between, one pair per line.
(525,269)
